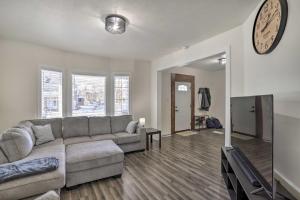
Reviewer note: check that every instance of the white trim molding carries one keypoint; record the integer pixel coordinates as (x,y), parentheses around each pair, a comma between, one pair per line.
(113,90)
(287,184)
(39,92)
(70,88)
(188,56)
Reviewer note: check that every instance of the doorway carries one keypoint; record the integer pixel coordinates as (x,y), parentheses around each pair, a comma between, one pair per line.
(244,115)
(161,112)
(250,114)
(182,102)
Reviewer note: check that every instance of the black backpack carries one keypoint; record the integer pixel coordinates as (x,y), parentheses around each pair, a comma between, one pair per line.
(210,123)
(213,123)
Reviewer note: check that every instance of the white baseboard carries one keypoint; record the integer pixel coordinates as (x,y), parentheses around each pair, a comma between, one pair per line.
(287,184)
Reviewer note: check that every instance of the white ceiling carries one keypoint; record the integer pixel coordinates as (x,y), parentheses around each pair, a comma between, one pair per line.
(157,27)
(211,63)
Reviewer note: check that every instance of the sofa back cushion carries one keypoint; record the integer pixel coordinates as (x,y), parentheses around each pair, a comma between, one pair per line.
(75,127)
(119,123)
(3,158)
(56,125)
(27,125)
(16,144)
(99,125)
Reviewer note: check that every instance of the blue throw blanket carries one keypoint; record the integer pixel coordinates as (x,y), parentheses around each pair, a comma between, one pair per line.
(32,167)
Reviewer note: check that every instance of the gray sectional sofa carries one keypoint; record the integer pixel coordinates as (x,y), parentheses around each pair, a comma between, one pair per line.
(88,149)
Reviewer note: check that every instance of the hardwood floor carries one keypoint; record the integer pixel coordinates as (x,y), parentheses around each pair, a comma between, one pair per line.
(184,168)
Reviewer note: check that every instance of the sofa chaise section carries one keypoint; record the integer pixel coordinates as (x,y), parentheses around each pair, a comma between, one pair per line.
(37,184)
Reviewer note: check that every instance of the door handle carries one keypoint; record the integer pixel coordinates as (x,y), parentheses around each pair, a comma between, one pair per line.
(252,111)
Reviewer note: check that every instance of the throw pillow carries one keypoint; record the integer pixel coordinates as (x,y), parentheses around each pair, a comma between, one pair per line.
(43,134)
(131,127)
(27,125)
(16,144)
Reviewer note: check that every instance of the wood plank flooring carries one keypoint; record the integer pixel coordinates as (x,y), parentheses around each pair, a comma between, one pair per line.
(184,168)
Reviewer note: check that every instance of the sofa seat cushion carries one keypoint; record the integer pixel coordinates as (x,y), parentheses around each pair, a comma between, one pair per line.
(104,137)
(58,141)
(91,155)
(125,138)
(37,184)
(76,140)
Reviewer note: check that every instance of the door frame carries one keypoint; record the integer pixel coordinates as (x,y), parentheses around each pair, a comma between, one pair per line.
(258,118)
(182,78)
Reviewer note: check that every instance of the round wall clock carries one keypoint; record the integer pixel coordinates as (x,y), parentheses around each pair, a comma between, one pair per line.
(269,25)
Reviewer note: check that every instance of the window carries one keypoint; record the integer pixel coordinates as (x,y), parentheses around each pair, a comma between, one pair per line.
(88,95)
(182,88)
(51,94)
(121,95)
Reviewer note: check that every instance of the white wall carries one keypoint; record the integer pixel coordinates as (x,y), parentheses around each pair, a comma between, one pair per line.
(232,38)
(230,42)
(279,73)
(217,85)
(286,141)
(215,80)
(19,78)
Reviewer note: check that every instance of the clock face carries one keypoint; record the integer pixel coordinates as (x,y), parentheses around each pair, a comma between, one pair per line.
(269,25)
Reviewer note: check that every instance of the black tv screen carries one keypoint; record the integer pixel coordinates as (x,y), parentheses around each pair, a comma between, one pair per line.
(252,134)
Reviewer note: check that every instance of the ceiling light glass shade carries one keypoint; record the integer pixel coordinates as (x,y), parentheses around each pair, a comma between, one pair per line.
(115,24)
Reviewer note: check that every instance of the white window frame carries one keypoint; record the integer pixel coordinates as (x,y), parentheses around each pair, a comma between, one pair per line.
(70,88)
(113,91)
(54,69)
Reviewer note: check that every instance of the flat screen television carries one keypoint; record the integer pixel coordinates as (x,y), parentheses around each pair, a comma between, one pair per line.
(252,135)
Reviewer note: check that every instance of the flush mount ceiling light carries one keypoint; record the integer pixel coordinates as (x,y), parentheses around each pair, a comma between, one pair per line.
(115,24)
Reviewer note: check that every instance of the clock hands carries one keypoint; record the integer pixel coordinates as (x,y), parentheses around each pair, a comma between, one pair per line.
(269,21)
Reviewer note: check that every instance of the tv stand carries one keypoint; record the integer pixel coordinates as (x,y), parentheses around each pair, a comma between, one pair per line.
(239,187)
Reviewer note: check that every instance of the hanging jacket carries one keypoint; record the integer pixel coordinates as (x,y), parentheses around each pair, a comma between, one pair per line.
(205,101)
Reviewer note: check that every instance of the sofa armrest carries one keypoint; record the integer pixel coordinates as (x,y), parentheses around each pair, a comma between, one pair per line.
(142,132)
